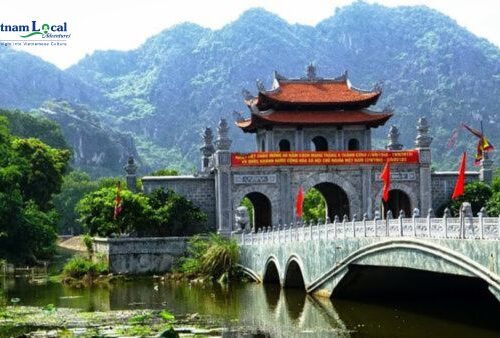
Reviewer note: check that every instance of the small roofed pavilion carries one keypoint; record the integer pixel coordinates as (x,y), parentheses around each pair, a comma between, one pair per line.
(312,113)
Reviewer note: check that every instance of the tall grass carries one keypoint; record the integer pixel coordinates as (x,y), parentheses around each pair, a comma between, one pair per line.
(212,256)
(80,267)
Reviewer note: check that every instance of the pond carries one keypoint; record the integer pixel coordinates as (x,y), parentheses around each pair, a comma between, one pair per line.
(254,310)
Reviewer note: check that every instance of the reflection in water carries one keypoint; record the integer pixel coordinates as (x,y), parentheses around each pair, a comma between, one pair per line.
(254,310)
(272,293)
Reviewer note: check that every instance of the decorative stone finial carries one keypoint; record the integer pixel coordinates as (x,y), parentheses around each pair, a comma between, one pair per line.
(246,94)
(207,149)
(447,212)
(260,86)
(389,214)
(311,72)
(466,209)
(207,137)
(423,140)
(131,167)
(416,212)
(223,141)
(393,138)
(483,212)
(430,213)
(131,170)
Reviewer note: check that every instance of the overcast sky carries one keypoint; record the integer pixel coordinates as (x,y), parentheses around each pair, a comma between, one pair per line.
(125,24)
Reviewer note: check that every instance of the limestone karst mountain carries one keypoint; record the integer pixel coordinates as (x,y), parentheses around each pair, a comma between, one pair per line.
(186,77)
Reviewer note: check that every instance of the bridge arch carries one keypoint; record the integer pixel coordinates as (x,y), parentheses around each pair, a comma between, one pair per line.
(352,194)
(294,276)
(408,253)
(271,273)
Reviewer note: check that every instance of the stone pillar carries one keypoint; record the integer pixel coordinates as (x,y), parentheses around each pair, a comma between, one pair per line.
(341,139)
(393,139)
(131,170)
(423,142)
(486,171)
(299,139)
(367,201)
(222,162)
(207,150)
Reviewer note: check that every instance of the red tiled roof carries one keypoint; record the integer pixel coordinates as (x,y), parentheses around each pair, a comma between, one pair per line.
(318,92)
(311,117)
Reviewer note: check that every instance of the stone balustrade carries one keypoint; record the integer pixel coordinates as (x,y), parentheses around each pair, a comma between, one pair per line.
(477,228)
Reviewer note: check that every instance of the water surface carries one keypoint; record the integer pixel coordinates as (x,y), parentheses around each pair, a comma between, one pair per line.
(254,310)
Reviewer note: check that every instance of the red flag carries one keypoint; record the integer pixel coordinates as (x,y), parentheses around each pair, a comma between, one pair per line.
(298,202)
(385,176)
(118,201)
(459,186)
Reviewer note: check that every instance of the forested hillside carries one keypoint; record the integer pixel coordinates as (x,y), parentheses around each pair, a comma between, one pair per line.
(187,77)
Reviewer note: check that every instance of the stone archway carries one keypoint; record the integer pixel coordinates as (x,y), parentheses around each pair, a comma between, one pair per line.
(352,194)
(408,191)
(337,202)
(398,200)
(266,195)
(262,210)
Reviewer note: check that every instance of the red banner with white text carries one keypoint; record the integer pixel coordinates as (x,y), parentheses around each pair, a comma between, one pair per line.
(274,158)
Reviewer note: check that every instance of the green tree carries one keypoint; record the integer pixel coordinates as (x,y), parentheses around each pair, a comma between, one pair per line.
(476,193)
(493,205)
(314,206)
(96,212)
(41,168)
(27,223)
(165,172)
(175,215)
(74,187)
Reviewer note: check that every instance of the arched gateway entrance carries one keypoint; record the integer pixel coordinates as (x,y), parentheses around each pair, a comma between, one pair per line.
(398,200)
(262,212)
(336,200)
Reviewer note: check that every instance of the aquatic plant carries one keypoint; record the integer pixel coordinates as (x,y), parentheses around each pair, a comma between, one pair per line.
(212,256)
(84,269)
(89,244)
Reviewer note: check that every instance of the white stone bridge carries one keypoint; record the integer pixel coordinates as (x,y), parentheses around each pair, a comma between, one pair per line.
(318,256)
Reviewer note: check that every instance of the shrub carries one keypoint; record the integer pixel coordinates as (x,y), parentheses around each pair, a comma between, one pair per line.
(477,193)
(97,208)
(89,244)
(211,256)
(79,267)
(165,172)
(175,215)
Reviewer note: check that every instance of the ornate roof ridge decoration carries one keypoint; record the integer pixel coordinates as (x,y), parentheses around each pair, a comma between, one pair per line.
(247,95)
(277,76)
(260,86)
(238,116)
(388,109)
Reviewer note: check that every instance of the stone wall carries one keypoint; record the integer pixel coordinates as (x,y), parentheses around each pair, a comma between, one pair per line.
(199,190)
(443,183)
(141,255)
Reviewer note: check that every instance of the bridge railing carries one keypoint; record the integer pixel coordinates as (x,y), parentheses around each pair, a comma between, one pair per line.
(477,228)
